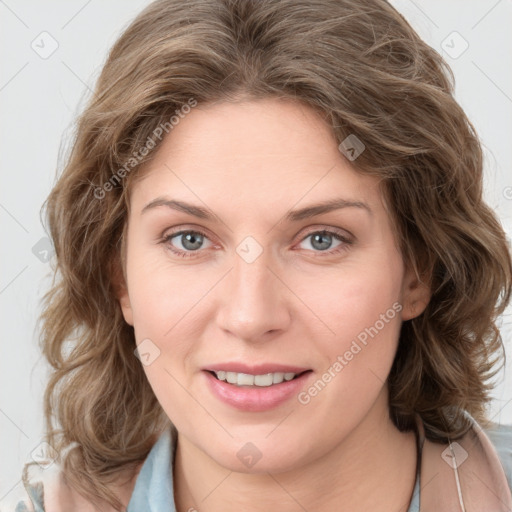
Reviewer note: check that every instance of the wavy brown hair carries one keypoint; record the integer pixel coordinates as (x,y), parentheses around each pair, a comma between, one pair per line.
(363,68)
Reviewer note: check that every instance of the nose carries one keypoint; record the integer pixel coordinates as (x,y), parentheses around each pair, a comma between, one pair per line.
(253,305)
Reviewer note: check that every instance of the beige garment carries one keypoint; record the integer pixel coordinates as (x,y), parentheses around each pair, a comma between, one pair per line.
(463,476)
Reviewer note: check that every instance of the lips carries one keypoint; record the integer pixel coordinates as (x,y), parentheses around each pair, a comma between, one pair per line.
(257,369)
(256,398)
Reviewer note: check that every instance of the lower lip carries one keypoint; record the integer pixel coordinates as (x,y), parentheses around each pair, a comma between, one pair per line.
(256,399)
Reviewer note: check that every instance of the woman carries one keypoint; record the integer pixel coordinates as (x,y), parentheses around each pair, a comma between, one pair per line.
(278,280)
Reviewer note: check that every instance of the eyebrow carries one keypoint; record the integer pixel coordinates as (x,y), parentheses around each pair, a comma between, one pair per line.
(291,216)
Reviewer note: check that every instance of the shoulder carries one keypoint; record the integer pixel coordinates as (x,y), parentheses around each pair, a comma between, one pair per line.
(28,495)
(44,489)
(501,438)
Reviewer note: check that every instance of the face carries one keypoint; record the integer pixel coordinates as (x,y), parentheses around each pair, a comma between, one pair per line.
(230,267)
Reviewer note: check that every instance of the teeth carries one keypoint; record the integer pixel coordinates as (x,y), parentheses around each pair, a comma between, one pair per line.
(277,378)
(245,379)
(263,380)
(231,377)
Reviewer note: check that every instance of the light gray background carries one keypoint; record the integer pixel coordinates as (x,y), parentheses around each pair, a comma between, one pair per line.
(40,97)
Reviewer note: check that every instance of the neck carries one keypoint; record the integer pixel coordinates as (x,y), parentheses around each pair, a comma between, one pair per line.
(373,468)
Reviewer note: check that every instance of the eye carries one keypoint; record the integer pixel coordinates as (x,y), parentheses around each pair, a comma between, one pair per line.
(185,243)
(322,241)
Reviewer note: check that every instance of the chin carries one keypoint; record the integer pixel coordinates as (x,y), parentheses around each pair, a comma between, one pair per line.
(256,457)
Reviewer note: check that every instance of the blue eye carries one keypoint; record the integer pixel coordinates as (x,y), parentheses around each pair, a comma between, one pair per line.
(192,242)
(323,240)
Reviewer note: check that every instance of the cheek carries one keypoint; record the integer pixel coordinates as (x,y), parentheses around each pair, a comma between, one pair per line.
(161,292)
(365,317)
(355,297)
(362,311)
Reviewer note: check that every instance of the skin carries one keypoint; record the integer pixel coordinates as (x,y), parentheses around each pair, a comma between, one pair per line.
(250,163)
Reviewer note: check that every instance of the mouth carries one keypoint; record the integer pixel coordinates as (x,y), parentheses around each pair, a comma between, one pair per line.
(256,392)
(263,380)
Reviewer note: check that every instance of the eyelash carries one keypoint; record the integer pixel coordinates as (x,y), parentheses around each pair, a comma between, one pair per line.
(190,254)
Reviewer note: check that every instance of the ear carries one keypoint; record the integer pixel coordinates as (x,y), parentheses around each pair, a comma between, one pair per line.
(121,291)
(416,293)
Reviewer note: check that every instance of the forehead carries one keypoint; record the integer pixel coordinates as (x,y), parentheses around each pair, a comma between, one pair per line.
(268,153)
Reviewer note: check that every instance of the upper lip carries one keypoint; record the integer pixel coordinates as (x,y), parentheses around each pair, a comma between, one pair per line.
(255,369)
